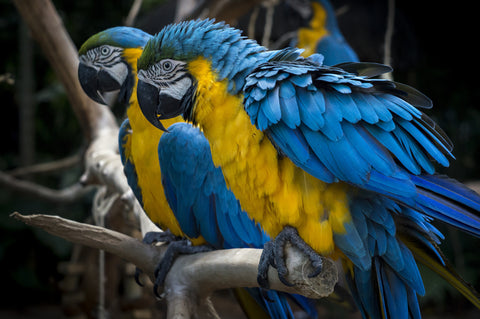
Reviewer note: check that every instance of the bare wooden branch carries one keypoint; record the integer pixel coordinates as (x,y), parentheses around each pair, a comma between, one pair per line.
(124,246)
(66,195)
(267,31)
(474,185)
(48,167)
(224,10)
(184,9)
(132,14)
(193,278)
(387,55)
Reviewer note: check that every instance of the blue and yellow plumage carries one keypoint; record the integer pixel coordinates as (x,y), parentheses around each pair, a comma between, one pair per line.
(323,35)
(345,159)
(135,148)
(172,175)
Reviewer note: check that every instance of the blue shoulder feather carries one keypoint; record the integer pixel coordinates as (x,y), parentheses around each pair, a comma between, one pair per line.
(128,166)
(339,124)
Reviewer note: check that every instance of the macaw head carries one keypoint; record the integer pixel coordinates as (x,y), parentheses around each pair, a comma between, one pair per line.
(108,62)
(166,87)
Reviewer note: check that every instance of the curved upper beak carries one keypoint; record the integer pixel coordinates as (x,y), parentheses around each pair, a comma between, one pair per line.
(88,78)
(149,100)
(96,82)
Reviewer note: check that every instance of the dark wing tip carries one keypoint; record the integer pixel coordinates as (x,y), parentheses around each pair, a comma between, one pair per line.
(367,69)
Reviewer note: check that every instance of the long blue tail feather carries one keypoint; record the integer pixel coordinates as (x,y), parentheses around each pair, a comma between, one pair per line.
(450,201)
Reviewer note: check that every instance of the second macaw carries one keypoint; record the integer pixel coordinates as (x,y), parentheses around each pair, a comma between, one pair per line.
(335,161)
(172,175)
(323,35)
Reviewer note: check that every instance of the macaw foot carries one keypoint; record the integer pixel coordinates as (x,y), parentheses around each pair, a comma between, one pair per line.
(159,237)
(273,255)
(174,249)
(155,237)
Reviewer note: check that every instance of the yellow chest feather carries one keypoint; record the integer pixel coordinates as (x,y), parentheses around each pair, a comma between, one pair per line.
(270,188)
(144,144)
(143,153)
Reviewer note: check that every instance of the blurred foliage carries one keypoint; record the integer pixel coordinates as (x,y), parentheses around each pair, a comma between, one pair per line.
(431,51)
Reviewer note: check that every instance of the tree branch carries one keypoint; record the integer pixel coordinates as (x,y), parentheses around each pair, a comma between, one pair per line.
(48,167)
(387,54)
(69,194)
(132,14)
(193,278)
(223,10)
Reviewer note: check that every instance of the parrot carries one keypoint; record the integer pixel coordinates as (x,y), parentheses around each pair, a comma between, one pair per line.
(333,159)
(323,36)
(172,175)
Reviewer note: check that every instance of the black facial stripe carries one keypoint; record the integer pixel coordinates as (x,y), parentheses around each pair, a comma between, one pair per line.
(111,60)
(95,56)
(110,64)
(176,75)
(165,84)
(113,57)
(181,77)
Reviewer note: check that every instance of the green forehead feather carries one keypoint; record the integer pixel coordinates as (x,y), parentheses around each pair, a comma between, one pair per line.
(123,37)
(156,50)
(95,41)
(187,40)
(225,48)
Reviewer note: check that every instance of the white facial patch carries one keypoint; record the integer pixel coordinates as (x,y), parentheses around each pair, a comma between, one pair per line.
(118,71)
(177,89)
(143,75)
(87,60)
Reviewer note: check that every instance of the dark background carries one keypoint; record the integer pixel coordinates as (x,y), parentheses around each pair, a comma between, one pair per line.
(434,49)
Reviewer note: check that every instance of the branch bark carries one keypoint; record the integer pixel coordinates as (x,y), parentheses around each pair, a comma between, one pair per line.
(47,167)
(66,195)
(193,278)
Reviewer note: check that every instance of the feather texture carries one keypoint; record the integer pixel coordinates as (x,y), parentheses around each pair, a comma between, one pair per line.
(177,183)
(345,158)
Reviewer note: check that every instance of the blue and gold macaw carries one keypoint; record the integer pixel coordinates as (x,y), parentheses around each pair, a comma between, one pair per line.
(332,159)
(172,175)
(323,35)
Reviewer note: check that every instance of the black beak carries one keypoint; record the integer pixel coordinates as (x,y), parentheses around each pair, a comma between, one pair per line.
(156,106)
(94,82)
(148,99)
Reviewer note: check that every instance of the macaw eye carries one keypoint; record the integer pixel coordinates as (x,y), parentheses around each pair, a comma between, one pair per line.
(167,66)
(105,51)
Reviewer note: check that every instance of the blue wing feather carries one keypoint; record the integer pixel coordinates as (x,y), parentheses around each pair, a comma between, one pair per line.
(124,134)
(206,204)
(370,135)
(382,137)
(387,283)
(310,109)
